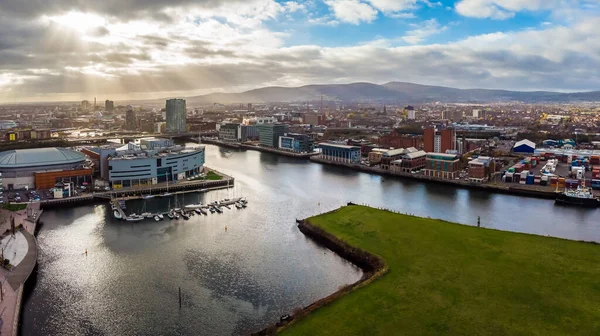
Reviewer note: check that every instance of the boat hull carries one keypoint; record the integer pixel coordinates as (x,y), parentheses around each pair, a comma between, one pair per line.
(576,201)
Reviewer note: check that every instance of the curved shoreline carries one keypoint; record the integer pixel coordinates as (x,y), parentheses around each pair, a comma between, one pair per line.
(373,267)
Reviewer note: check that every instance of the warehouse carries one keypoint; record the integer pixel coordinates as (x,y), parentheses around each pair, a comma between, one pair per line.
(42,168)
(524,147)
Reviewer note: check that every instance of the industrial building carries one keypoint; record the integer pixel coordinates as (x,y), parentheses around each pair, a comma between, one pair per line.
(269,134)
(300,143)
(442,165)
(340,153)
(153,161)
(43,167)
(524,147)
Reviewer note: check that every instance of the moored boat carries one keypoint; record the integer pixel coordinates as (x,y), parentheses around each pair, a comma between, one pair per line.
(582,196)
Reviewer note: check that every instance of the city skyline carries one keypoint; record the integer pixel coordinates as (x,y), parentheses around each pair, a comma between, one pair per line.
(134,50)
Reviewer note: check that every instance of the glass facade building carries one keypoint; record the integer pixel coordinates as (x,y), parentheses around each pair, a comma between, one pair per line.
(176,115)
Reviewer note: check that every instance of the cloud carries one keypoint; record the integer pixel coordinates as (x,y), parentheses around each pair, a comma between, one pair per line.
(504,9)
(421,31)
(219,46)
(390,6)
(352,11)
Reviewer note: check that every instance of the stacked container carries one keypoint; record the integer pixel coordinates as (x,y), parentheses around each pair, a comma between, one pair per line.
(544,180)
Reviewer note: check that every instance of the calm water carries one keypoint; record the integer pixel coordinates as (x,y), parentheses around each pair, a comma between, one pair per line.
(239,280)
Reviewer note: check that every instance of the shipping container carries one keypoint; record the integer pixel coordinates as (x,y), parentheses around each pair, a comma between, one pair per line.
(523,182)
(595,184)
(530,179)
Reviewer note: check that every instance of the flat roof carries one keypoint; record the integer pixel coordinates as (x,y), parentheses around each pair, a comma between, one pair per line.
(338,146)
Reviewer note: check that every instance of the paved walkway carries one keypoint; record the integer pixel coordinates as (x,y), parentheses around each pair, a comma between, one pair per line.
(11,282)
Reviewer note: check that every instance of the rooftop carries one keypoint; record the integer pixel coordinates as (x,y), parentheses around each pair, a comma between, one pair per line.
(39,157)
(337,145)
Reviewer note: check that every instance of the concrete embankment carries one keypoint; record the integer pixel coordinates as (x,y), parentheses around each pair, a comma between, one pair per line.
(372,266)
(504,189)
(227,181)
(258,148)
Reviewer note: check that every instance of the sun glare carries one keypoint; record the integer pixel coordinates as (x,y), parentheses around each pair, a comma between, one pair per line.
(78,21)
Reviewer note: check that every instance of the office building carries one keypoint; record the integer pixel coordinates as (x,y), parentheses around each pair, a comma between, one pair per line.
(176,116)
(442,165)
(85,105)
(230,132)
(439,141)
(313,119)
(130,120)
(299,143)
(269,134)
(42,168)
(159,127)
(412,160)
(411,113)
(480,168)
(340,153)
(454,115)
(109,105)
(132,165)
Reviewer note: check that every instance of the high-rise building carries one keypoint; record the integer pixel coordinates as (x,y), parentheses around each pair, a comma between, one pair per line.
(269,134)
(410,112)
(130,121)
(439,141)
(109,105)
(85,105)
(176,115)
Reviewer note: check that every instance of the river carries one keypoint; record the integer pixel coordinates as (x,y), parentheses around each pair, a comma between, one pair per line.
(238,280)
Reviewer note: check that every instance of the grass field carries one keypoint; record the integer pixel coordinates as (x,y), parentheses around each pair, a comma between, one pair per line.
(211,176)
(14,207)
(453,279)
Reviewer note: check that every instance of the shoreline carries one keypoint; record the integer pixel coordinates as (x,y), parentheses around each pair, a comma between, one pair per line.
(373,267)
(516,191)
(259,149)
(21,274)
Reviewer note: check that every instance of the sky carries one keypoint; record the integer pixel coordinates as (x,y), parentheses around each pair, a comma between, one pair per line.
(141,49)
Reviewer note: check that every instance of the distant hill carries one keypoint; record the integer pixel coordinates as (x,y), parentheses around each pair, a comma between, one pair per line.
(393,92)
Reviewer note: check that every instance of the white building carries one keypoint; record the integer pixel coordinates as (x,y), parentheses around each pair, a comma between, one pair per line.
(412,114)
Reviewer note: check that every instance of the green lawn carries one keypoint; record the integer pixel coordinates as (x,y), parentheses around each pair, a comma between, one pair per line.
(453,279)
(211,176)
(14,207)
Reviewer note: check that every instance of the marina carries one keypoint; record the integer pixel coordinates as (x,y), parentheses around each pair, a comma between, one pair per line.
(118,207)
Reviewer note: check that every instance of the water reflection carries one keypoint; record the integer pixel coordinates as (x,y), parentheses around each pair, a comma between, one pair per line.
(238,280)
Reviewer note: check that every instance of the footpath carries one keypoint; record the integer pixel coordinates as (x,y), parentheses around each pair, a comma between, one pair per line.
(21,250)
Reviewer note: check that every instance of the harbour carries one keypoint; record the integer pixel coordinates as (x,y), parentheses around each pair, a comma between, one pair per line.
(239,280)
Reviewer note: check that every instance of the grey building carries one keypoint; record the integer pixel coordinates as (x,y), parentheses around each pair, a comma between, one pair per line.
(269,134)
(176,115)
(139,167)
(230,132)
(130,120)
(109,105)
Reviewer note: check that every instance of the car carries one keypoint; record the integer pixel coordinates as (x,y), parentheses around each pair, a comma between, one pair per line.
(107,188)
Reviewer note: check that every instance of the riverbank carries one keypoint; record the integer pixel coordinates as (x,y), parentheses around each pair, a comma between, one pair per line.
(259,148)
(13,280)
(173,187)
(457,279)
(528,191)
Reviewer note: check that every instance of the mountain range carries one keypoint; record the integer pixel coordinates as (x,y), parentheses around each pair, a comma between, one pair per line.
(392,92)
